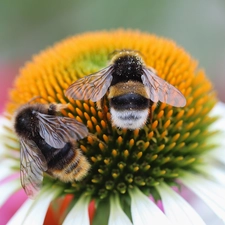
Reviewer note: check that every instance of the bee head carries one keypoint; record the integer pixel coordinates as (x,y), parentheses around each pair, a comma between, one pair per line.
(25,121)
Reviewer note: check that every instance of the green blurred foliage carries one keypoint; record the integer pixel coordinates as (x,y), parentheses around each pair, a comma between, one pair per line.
(26,26)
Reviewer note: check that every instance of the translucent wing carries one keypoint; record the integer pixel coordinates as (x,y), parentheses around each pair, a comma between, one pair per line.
(32,165)
(162,91)
(91,87)
(57,130)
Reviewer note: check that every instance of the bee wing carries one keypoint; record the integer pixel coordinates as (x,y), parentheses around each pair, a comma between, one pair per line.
(32,165)
(91,87)
(57,130)
(162,91)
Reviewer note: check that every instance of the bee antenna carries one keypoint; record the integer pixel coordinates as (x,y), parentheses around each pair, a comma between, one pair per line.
(122,50)
(113,53)
(34,99)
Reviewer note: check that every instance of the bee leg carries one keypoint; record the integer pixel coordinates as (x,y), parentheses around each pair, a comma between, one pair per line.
(53,108)
(150,112)
(150,115)
(97,139)
(104,109)
(59,107)
(99,104)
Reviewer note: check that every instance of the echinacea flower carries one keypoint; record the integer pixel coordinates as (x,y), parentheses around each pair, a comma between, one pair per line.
(178,147)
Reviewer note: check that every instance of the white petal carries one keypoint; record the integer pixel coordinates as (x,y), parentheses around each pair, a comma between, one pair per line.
(117,215)
(218,153)
(34,213)
(177,209)
(7,189)
(3,122)
(79,213)
(7,163)
(21,213)
(213,171)
(5,168)
(219,110)
(210,192)
(144,211)
(7,137)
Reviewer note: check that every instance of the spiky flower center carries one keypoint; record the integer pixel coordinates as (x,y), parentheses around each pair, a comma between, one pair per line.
(121,159)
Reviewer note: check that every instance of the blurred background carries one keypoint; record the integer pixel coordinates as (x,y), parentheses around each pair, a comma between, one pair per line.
(26,27)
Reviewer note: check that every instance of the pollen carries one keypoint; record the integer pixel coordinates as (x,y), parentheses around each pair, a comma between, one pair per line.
(173,138)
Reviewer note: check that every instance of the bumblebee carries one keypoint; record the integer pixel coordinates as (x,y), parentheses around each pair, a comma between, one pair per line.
(132,88)
(48,144)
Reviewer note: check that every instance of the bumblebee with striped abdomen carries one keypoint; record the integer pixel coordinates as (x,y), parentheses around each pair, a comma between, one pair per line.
(131,86)
(48,144)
